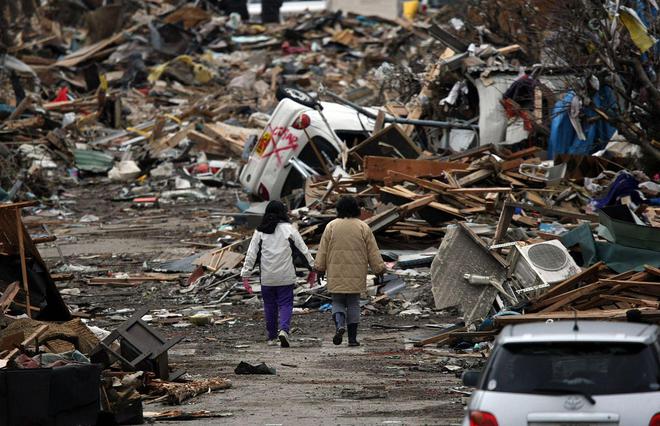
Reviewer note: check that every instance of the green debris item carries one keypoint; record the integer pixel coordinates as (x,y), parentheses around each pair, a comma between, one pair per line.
(618,257)
(93,161)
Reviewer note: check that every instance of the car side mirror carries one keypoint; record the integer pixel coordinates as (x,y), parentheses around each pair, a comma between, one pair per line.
(471,378)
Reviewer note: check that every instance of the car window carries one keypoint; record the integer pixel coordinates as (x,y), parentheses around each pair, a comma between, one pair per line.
(594,368)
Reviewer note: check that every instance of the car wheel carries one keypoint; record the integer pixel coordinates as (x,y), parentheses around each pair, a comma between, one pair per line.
(296,95)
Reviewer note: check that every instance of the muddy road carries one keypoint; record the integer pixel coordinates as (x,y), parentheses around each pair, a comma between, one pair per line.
(385,381)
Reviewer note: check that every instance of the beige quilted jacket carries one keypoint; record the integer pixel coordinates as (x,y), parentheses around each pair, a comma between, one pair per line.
(347,249)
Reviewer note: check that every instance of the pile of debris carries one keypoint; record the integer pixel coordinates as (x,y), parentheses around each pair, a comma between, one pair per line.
(41,342)
(447,130)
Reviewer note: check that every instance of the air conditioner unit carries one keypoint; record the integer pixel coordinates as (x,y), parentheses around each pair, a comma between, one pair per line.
(538,266)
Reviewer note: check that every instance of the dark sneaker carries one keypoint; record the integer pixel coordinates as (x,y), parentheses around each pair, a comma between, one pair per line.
(356,343)
(284,339)
(339,336)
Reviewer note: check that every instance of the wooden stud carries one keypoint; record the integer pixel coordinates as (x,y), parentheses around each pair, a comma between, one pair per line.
(21,251)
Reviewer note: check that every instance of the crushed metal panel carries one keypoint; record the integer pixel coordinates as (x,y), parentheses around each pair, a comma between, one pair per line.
(460,253)
(492,118)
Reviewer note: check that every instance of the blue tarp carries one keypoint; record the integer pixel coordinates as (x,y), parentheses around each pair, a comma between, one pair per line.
(563,137)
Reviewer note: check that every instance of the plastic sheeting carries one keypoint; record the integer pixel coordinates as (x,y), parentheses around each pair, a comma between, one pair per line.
(619,258)
(563,136)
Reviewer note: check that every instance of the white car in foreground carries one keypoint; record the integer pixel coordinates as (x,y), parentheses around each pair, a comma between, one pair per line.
(587,373)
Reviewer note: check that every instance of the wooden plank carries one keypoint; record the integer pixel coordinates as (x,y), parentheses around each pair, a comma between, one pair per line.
(473,210)
(524,153)
(632,300)
(631,283)
(390,136)
(479,190)
(652,270)
(575,279)
(506,50)
(434,185)
(469,153)
(417,204)
(159,146)
(503,223)
(377,168)
(21,252)
(380,120)
(8,296)
(569,297)
(87,52)
(555,212)
(19,205)
(535,198)
(475,177)
(595,314)
(505,166)
(34,337)
(42,240)
(438,337)
(446,208)
(530,222)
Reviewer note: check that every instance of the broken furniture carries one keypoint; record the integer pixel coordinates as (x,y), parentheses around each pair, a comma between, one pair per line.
(141,348)
(59,396)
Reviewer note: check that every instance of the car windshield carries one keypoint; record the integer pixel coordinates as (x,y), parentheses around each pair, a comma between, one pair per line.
(591,368)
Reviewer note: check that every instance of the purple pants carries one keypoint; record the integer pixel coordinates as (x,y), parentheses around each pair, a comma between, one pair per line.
(278,301)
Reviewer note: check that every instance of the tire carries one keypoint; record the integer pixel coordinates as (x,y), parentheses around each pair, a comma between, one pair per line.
(296,95)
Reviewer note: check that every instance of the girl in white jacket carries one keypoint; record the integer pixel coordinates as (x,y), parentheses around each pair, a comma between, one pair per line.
(274,245)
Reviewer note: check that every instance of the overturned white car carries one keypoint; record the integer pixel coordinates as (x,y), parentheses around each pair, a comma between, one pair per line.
(303,138)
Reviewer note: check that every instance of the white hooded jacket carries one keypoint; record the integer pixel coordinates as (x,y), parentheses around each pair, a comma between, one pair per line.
(275,254)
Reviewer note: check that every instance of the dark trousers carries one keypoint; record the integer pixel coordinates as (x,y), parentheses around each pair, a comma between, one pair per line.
(270,11)
(278,302)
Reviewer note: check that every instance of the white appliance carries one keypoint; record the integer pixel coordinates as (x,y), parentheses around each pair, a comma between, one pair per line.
(538,266)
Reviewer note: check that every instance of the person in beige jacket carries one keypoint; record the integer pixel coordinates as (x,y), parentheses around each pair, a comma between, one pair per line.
(348,248)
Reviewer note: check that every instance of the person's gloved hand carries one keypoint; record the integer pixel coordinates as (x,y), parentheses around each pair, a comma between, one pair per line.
(247,286)
(311,279)
(380,277)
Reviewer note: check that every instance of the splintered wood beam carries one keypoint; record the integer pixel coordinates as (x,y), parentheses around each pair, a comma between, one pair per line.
(8,296)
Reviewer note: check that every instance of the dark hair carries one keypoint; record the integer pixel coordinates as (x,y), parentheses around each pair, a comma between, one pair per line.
(347,207)
(276,212)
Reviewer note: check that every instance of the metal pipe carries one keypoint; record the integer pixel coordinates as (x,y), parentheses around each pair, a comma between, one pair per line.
(425,123)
